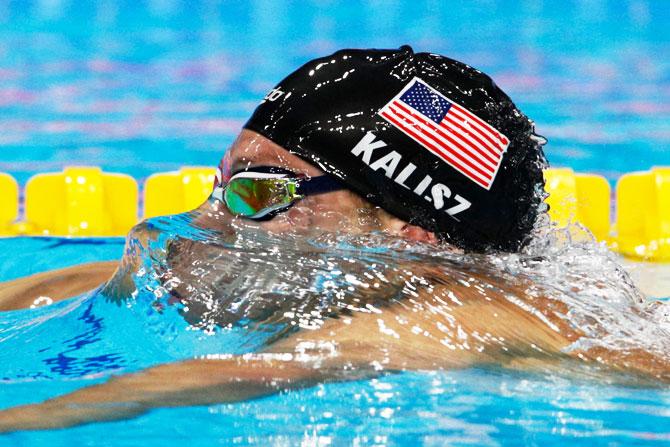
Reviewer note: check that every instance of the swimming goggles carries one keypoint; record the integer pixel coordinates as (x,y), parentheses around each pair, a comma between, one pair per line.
(260,193)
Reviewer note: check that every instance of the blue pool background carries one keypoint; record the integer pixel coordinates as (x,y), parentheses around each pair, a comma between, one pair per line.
(146,86)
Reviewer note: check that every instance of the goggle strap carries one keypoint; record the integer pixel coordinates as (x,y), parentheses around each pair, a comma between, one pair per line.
(318,185)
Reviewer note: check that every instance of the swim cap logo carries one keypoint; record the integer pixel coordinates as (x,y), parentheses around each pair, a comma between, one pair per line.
(449,131)
(274,95)
(439,193)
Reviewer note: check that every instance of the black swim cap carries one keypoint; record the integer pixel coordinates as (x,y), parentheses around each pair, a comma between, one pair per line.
(427,138)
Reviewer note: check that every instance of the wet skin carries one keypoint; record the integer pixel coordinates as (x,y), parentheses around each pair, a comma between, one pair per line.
(482,329)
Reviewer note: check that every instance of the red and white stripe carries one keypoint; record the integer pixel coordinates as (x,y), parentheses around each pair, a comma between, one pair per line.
(461,139)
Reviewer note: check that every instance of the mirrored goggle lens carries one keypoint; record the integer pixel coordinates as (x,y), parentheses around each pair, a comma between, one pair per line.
(252,197)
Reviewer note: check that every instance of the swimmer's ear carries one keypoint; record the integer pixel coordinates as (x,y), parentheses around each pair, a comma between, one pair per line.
(418,234)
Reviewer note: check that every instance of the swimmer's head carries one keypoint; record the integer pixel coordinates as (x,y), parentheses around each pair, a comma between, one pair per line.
(430,140)
(332,207)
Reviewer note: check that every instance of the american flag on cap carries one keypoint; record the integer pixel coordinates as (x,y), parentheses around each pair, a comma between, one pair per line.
(448,130)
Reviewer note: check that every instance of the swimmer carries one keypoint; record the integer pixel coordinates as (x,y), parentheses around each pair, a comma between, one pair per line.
(415,146)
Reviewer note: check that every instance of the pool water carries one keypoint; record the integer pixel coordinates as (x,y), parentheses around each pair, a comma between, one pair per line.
(82,341)
(144,87)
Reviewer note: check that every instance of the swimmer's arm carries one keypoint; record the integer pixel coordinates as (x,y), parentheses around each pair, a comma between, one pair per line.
(65,283)
(202,382)
(344,352)
(193,382)
(56,285)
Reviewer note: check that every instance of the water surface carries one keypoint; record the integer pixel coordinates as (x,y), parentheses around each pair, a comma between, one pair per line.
(242,291)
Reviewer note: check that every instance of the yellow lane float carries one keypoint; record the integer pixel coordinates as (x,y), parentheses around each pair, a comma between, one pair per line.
(9,204)
(643,214)
(583,198)
(80,201)
(178,191)
(84,201)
